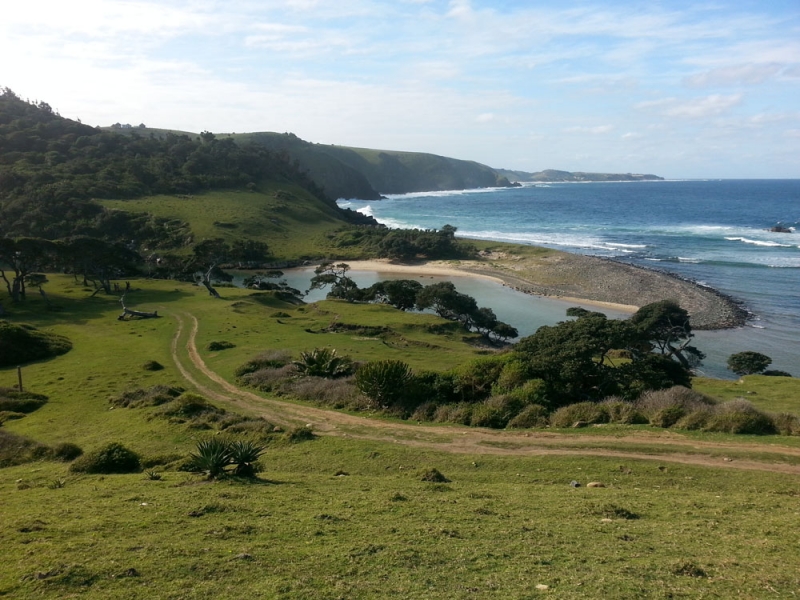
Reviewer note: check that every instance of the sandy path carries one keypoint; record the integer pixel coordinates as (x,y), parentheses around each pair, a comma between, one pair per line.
(668,447)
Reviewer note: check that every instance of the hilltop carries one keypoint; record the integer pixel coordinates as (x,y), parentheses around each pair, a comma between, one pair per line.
(554,175)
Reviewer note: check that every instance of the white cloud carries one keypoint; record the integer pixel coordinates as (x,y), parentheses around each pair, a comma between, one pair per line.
(596,130)
(751,74)
(695,108)
(485,117)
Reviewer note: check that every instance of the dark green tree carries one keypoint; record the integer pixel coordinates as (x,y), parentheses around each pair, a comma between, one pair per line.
(748,363)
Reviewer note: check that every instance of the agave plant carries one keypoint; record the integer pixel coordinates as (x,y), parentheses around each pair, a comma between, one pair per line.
(323,362)
(213,455)
(243,454)
(384,381)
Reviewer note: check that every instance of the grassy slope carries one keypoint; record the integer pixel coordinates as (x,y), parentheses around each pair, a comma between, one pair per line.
(500,528)
(292,222)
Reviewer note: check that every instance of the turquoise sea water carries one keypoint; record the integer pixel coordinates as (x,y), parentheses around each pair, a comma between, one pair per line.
(714,232)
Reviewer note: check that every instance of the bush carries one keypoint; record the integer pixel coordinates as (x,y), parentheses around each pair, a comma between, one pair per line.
(217,346)
(671,404)
(212,457)
(299,434)
(473,381)
(460,413)
(787,424)
(587,413)
(20,402)
(513,375)
(776,373)
(323,362)
(385,382)
(533,415)
(623,412)
(434,476)
(424,412)
(67,451)
(153,396)
(17,450)
(269,379)
(186,406)
(739,416)
(484,415)
(273,359)
(530,392)
(111,458)
(21,343)
(153,365)
(337,393)
(696,420)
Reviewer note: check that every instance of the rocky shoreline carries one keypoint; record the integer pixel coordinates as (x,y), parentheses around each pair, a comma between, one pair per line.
(606,280)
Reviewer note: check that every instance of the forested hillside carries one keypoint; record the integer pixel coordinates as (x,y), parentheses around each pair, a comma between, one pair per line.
(51,168)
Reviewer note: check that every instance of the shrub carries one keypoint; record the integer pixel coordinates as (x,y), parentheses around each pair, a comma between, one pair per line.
(776,373)
(20,402)
(153,396)
(424,412)
(67,451)
(623,412)
(299,434)
(533,415)
(17,450)
(530,392)
(460,413)
(582,412)
(273,359)
(212,457)
(323,362)
(243,455)
(21,343)
(217,346)
(659,406)
(513,375)
(153,365)
(186,406)
(337,393)
(269,379)
(739,416)
(484,415)
(385,382)
(696,420)
(787,424)
(434,476)
(473,381)
(111,458)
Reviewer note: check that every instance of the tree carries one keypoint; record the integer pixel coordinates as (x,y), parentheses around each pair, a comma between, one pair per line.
(23,256)
(665,326)
(748,363)
(206,258)
(447,302)
(335,275)
(97,261)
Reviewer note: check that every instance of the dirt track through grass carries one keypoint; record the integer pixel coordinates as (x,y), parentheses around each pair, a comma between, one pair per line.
(668,447)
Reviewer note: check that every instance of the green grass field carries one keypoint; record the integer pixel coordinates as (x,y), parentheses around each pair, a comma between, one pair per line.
(346,515)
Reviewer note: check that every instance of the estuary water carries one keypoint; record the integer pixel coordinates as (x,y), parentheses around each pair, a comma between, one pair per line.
(714,232)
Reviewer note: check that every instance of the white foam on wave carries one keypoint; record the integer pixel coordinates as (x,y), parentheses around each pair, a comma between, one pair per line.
(545,239)
(446,193)
(758,242)
(685,259)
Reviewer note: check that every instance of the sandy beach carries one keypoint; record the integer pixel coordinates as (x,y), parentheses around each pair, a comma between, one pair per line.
(584,279)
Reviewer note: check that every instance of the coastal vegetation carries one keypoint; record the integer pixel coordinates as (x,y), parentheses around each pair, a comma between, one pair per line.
(324,445)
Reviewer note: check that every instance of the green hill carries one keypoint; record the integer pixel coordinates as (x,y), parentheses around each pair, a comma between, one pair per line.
(345,172)
(554,175)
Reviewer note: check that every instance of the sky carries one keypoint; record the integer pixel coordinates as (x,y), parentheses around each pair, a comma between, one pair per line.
(699,89)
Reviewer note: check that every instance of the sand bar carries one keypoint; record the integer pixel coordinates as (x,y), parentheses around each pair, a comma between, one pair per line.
(585,279)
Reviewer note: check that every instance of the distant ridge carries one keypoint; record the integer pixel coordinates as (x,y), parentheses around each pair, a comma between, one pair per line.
(553,175)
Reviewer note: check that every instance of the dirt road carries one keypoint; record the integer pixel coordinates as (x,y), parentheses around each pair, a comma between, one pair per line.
(663,447)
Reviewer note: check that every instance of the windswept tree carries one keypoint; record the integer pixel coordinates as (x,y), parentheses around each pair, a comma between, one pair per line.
(665,327)
(207,256)
(400,293)
(23,256)
(335,275)
(97,261)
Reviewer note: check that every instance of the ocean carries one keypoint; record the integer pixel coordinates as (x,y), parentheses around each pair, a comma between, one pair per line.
(714,232)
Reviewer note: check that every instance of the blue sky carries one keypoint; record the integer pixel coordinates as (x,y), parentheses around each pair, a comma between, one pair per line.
(694,89)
